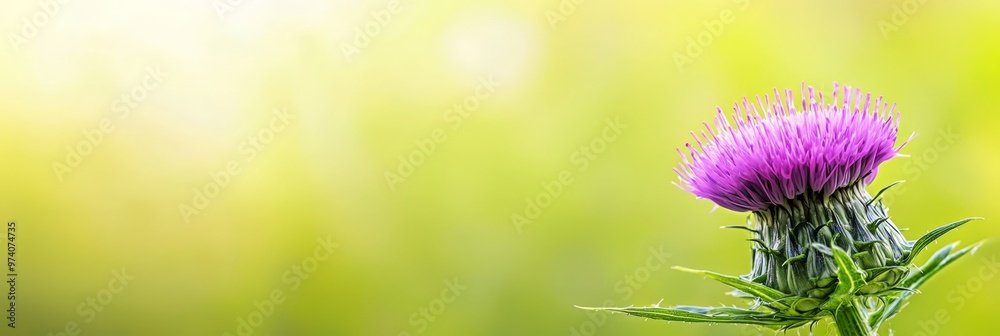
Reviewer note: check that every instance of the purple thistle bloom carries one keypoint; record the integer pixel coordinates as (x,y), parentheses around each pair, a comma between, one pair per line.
(776,152)
(821,245)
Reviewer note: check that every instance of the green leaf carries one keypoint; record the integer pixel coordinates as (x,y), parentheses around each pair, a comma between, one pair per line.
(930,237)
(921,275)
(716,311)
(918,277)
(850,278)
(767,294)
(707,315)
(893,305)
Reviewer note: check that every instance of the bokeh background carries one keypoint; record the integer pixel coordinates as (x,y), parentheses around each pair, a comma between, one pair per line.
(414,134)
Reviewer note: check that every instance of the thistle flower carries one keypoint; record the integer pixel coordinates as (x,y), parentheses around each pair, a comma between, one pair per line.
(802,173)
(822,245)
(777,153)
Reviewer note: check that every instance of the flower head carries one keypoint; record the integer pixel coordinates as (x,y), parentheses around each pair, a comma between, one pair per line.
(776,152)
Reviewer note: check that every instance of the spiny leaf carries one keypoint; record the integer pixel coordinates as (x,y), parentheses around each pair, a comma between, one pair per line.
(767,294)
(918,277)
(687,315)
(897,303)
(930,237)
(716,311)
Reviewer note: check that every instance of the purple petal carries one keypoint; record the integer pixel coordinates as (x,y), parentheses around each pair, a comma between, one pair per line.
(775,152)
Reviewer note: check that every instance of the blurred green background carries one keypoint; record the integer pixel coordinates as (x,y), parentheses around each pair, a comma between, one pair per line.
(207,148)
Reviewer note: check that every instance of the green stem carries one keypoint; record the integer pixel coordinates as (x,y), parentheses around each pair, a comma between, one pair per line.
(851,320)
